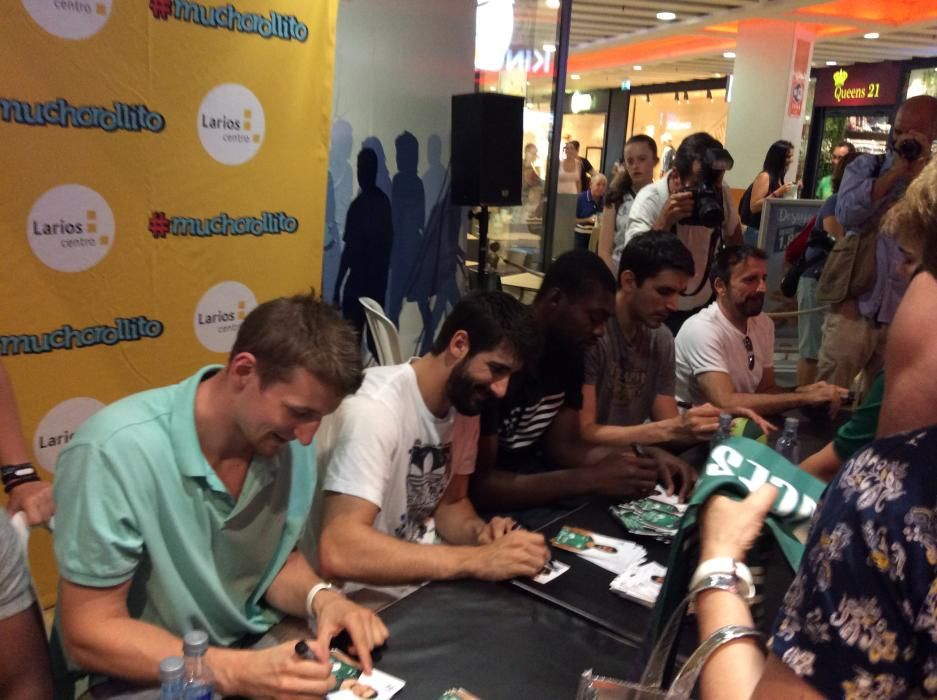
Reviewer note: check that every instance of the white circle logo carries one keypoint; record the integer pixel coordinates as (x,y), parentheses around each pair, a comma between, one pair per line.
(231,124)
(58,426)
(69,19)
(70,228)
(219,314)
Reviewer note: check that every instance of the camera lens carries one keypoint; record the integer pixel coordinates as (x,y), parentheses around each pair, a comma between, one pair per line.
(909,150)
(709,210)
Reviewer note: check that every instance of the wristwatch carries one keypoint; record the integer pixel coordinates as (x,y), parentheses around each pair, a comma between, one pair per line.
(723,572)
(313,592)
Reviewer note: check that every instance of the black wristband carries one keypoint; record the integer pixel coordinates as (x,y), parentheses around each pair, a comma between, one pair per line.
(13,475)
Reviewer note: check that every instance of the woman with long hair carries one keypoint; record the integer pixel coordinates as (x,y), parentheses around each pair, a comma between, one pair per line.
(637,170)
(768,183)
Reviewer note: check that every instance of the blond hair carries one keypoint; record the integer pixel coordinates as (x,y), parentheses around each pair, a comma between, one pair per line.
(913,219)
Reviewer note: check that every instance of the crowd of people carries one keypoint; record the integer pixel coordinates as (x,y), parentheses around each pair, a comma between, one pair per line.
(290,482)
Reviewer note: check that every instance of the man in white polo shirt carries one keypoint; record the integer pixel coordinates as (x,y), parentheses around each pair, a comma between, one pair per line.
(725,353)
(399,454)
(180,508)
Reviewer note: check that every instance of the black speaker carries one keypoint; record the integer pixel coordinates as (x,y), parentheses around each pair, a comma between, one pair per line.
(487,149)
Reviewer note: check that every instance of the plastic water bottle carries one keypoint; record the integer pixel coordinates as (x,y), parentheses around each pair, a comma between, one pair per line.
(724,432)
(171,673)
(198,677)
(788,446)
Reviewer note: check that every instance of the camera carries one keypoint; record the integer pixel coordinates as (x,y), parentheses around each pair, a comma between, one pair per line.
(909,149)
(707,194)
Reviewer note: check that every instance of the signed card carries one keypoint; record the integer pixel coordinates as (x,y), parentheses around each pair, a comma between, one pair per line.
(551,570)
(351,683)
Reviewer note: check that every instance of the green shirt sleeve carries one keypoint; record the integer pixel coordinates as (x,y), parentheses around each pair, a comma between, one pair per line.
(860,430)
(97,540)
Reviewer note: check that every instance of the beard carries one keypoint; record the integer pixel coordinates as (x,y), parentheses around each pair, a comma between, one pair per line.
(464,393)
(753,305)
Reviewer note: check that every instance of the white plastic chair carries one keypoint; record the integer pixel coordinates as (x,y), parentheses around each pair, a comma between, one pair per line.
(384,332)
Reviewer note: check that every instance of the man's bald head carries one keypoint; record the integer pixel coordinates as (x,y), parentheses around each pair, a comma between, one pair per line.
(917,114)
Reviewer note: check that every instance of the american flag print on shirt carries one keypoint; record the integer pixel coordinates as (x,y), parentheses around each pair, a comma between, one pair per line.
(524,425)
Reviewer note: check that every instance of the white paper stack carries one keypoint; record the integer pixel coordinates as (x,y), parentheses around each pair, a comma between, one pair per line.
(641,583)
(613,554)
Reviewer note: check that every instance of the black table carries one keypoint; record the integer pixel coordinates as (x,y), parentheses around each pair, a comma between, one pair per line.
(584,588)
(527,640)
(497,642)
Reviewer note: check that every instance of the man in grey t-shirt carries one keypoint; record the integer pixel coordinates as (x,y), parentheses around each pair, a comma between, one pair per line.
(628,392)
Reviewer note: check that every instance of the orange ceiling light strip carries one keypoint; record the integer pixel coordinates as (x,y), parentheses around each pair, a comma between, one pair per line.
(883,11)
(648,51)
(829,30)
(727,28)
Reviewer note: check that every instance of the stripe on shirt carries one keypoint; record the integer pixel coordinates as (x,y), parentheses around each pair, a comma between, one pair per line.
(532,423)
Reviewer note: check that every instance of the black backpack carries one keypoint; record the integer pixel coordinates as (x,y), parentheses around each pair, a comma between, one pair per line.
(818,239)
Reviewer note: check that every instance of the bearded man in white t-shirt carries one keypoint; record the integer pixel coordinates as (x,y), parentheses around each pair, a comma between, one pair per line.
(399,453)
(725,353)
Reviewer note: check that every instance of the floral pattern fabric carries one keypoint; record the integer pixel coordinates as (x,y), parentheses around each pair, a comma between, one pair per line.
(860,618)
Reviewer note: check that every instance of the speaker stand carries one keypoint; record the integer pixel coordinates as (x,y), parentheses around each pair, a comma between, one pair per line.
(482,216)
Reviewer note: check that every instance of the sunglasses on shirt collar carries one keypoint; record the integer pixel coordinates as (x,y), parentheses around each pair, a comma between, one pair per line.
(750,349)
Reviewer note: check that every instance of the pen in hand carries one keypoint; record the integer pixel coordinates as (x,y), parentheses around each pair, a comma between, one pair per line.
(304,651)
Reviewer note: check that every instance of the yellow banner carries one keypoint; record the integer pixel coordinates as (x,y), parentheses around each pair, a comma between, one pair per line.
(165,166)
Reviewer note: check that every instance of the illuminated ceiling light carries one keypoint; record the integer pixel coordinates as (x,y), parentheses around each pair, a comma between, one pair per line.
(574,76)
(549,47)
(871,35)
(494,22)
(831,63)
(717,75)
(638,67)
(553,4)
(709,95)
(666,16)
(491,89)
(686,96)
(729,54)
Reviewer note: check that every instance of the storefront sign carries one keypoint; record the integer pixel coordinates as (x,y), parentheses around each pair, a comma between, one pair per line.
(860,85)
(593,102)
(580,102)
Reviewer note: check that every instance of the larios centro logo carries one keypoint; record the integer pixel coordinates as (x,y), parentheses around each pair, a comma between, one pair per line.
(58,426)
(66,337)
(69,19)
(268,222)
(58,112)
(231,124)
(272,26)
(70,228)
(219,313)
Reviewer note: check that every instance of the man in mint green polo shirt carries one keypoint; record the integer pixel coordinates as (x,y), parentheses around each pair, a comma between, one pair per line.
(180,508)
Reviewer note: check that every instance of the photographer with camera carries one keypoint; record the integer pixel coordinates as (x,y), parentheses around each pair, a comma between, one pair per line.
(861,280)
(693,201)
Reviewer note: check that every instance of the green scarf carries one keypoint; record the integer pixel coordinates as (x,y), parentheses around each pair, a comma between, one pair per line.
(736,467)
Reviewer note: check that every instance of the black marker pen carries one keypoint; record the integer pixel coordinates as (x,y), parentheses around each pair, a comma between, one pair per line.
(304,651)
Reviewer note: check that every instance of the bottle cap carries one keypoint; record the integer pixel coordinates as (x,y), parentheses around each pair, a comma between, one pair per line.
(170,668)
(791,423)
(195,643)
